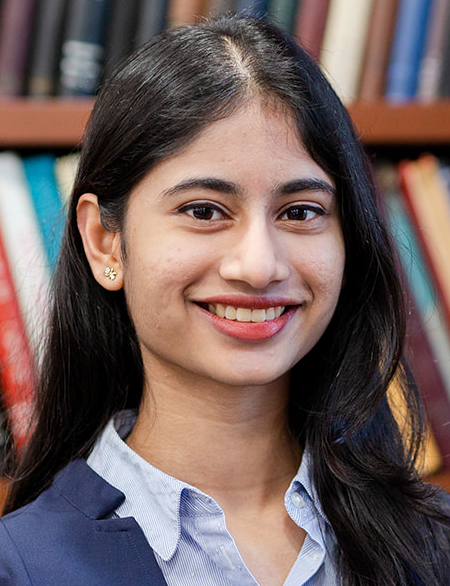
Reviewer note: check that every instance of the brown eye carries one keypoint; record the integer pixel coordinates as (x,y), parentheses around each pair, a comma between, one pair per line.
(203,211)
(301,213)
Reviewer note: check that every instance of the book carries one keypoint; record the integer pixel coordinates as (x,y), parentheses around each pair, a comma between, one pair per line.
(376,52)
(430,460)
(343,45)
(24,248)
(16,21)
(83,47)
(309,26)
(428,204)
(428,343)
(181,12)
(41,179)
(282,13)
(65,172)
(46,46)
(151,20)
(120,34)
(431,63)
(407,49)
(444,72)
(17,369)
(256,8)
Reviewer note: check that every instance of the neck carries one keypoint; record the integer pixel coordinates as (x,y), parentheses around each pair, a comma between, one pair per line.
(230,442)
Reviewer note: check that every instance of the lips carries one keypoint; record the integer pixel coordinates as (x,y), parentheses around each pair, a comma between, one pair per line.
(249,319)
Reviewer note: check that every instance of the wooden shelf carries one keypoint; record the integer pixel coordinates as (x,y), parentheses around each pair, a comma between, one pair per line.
(59,123)
(49,123)
(380,123)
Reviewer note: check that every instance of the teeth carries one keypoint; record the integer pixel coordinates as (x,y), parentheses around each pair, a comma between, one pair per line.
(244,314)
(270,313)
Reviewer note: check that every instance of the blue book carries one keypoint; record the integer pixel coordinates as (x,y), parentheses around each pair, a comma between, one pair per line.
(257,8)
(407,49)
(40,175)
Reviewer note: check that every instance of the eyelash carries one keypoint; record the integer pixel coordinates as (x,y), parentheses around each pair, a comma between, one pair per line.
(303,209)
(205,211)
(205,206)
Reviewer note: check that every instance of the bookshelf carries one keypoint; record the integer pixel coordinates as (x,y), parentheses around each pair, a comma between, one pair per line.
(59,123)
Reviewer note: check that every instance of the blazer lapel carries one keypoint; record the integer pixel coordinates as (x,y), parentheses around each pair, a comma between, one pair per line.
(115,547)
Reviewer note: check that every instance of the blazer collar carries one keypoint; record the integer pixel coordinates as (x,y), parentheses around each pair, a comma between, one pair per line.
(87,491)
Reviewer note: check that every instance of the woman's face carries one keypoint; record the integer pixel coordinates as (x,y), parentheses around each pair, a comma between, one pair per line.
(234,253)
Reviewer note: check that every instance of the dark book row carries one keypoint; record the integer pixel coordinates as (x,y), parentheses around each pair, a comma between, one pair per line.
(66,47)
(370,49)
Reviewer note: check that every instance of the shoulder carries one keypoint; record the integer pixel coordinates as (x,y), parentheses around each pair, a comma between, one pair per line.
(62,522)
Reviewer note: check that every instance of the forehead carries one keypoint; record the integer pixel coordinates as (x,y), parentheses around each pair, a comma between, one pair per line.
(256,145)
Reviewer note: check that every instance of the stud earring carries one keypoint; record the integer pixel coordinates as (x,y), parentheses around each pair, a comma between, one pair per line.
(110,273)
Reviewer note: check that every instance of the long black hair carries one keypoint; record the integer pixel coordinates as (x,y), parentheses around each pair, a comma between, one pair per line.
(390,526)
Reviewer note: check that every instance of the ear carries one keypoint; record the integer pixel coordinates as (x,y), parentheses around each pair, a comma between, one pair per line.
(102,247)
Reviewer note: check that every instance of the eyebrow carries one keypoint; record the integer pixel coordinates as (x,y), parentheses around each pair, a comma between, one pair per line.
(230,188)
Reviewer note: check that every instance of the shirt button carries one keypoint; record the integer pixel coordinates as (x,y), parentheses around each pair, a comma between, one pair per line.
(297,500)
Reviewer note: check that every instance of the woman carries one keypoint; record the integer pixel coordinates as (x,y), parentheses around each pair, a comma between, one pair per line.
(227,319)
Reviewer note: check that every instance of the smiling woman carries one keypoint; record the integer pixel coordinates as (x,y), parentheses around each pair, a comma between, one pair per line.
(226,322)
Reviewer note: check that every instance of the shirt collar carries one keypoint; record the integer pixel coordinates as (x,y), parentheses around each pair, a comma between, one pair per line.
(303,478)
(153,498)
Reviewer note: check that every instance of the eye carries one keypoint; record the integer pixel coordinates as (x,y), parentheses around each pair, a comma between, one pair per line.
(301,212)
(203,211)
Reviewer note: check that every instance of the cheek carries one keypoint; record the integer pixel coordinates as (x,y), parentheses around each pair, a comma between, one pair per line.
(323,268)
(158,273)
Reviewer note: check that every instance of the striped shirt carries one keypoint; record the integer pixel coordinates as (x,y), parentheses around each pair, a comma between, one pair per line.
(186,528)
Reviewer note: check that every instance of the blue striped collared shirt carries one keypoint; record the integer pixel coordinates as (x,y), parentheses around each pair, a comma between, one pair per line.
(186,528)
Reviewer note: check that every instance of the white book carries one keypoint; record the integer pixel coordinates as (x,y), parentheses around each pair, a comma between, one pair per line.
(65,170)
(343,45)
(24,248)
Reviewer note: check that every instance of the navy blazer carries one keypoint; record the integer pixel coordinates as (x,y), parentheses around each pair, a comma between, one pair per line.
(64,538)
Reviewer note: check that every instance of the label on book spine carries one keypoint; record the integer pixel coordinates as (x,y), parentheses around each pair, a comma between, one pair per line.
(81,66)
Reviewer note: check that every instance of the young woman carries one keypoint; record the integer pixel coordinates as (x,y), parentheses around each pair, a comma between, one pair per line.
(227,319)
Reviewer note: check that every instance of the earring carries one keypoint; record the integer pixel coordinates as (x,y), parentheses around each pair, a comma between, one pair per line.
(110,273)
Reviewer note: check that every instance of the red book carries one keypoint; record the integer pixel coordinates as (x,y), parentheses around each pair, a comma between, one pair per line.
(428,203)
(377,51)
(309,25)
(430,384)
(15,358)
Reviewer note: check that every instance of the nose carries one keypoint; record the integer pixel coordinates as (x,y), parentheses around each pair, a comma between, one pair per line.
(255,257)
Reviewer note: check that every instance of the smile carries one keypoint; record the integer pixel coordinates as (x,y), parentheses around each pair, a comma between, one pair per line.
(245,314)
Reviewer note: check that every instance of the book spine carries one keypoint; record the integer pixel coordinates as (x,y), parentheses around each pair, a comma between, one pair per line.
(40,174)
(430,66)
(444,72)
(378,44)
(46,46)
(120,34)
(83,47)
(282,12)
(16,365)
(16,21)
(407,49)
(309,25)
(151,20)
(256,8)
(429,208)
(343,44)
(428,342)
(24,248)
(65,172)
(181,12)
